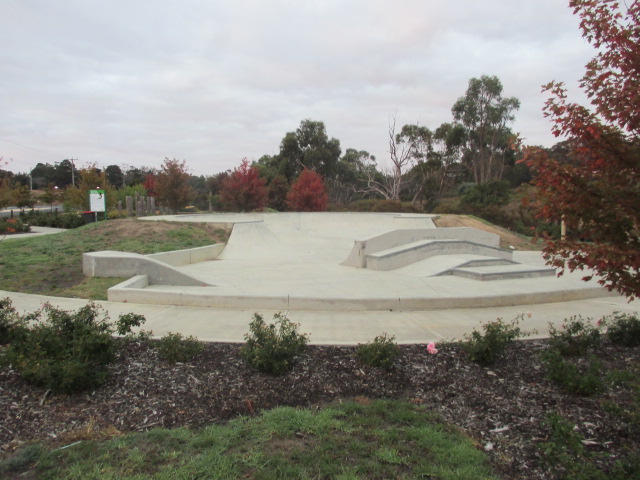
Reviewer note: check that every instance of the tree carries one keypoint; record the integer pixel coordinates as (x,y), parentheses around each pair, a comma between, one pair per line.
(412,144)
(50,196)
(307,194)
(596,190)
(22,197)
(114,175)
(350,179)
(484,115)
(43,174)
(90,178)
(6,192)
(278,189)
(149,183)
(65,173)
(172,184)
(308,147)
(244,190)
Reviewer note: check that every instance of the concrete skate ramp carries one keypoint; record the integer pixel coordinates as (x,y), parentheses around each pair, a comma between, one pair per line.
(292,261)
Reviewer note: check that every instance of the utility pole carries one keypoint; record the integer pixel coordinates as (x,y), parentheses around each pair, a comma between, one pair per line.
(73,167)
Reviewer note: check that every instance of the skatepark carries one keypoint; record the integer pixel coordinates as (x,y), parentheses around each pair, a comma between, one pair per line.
(346,277)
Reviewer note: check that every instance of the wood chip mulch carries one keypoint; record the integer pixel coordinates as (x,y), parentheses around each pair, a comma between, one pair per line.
(502,408)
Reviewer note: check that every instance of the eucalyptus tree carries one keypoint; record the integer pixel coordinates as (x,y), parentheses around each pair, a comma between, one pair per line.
(484,115)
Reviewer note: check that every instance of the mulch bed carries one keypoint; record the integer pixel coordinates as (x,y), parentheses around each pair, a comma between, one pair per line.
(503,408)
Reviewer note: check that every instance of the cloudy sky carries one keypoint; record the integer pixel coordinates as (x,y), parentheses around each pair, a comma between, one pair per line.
(212,81)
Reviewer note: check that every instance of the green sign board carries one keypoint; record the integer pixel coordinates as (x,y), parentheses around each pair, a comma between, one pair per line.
(97,202)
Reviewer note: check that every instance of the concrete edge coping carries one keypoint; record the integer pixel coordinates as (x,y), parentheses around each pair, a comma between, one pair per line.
(197,298)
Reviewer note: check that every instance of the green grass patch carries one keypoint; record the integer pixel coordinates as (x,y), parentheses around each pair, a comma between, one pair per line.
(383,439)
(52,264)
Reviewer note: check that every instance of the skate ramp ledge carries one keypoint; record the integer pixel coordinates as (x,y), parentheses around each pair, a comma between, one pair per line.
(135,291)
(404,255)
(124,264)
(361,248)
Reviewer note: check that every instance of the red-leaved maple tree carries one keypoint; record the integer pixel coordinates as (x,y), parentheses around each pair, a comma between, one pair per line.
(596,190)
(307,193)
(244,190)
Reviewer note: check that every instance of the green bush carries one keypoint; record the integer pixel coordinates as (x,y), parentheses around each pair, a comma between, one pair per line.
(11,324)
(173,347)
(128,320)
(485,348)
(623,329)
(64,351)
(575,337)
(12,225)
(565,453)
(52,219)
(382,352)
(485,194)
(272,348)
(572,377)
(380,205)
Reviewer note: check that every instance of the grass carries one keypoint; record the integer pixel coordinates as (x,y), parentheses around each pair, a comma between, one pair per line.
(355,440)
(52,264)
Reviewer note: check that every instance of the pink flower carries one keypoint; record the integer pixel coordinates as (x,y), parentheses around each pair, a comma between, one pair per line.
(431,348)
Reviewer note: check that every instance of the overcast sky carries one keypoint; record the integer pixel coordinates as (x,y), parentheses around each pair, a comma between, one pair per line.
(212,81)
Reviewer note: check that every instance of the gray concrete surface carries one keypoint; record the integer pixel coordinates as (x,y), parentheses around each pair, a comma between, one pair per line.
(295,261)
(340,327)
(302,254)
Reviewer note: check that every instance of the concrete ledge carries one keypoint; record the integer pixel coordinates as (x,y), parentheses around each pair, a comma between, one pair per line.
(502,273)
(178,258)
(204,297)
(396,238)
(124,264)
(404,255)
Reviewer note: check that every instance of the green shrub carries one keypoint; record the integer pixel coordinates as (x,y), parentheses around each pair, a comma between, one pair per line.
(572,377)
(485,348)
(481,195)
(63,351)
(623,329)
(173,347)
(575,337)
(128,320)
(382,352)
(272,348)
(12,225)
(52,219)
(11,324)
(565,453)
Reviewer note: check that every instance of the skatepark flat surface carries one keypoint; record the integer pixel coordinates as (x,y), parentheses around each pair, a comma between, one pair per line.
(293,261)
(273,259)
(340,327)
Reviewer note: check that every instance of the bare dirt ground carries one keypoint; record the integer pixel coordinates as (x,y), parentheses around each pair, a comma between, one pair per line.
(502,408)
(507,238)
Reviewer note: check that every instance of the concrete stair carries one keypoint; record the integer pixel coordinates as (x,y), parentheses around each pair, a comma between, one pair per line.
(501,271)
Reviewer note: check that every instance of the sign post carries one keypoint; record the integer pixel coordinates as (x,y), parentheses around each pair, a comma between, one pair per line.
(97,202)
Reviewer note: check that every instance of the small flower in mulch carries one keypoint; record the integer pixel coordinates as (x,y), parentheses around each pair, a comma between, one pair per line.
(431,348)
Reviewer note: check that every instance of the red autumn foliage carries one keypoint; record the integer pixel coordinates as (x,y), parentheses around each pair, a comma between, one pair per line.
(244,190)
(307,194)
(149,183)
(596,190)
